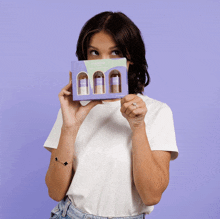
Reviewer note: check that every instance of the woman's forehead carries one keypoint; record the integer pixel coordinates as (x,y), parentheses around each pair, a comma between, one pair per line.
(102,39)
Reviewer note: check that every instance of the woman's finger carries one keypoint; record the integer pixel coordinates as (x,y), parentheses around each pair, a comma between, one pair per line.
(68,86)
(67,92)
(64,92)
(70,76)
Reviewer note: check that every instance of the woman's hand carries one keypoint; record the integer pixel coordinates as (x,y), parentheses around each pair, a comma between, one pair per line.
(134,114)
(73,112)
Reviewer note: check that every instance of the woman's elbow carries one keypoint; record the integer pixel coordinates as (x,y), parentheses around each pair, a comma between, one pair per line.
(54,193)
(55,196)
(152,201)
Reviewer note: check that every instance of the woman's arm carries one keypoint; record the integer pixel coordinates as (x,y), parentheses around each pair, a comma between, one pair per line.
(59,177)
(150,168)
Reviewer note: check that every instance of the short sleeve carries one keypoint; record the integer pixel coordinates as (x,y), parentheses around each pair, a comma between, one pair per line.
(162,132)
(54,136)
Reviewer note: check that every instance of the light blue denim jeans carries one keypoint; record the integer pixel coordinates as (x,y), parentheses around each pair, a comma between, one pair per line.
(66,210)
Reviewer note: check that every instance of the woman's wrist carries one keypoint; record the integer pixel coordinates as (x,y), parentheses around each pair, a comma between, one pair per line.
(70,128)
(138,128)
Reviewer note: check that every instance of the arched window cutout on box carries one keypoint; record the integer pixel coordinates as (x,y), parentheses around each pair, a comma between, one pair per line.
(115,81)
(82,84)
(98,82)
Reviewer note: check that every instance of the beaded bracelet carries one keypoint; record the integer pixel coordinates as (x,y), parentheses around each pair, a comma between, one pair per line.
(65,164)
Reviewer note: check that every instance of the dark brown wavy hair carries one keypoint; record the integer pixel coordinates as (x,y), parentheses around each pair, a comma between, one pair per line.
(128,39)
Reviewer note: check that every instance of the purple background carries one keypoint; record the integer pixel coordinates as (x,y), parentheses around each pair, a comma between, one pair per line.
(37,44)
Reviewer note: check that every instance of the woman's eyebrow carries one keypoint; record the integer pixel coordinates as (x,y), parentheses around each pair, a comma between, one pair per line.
(114,47)
(111,48)
(91,47)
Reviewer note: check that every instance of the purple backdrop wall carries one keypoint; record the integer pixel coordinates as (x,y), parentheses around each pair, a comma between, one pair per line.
(37,44)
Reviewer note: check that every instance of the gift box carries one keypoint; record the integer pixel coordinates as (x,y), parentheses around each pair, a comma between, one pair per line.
(99,79)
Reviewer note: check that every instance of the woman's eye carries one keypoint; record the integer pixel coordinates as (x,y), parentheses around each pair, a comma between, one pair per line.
(116,52)
(94,53)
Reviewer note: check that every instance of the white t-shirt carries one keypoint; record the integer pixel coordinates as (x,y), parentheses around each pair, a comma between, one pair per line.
(103,181)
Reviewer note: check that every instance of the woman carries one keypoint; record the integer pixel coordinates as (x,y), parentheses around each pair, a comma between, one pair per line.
(110,159)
